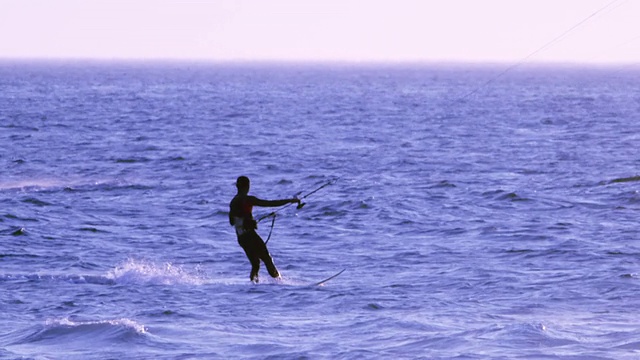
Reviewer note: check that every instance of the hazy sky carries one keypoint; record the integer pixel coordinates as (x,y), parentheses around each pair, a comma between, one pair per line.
(352,30)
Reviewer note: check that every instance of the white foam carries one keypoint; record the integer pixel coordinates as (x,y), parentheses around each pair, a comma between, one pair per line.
(122,322)
(135,271)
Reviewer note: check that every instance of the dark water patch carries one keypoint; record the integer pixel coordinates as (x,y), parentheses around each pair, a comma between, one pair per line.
(519,251)
(122,186)
(374,306)
(442,184)
(20,127)
(401,286)
(148,148)
(404,224)
(565,255)
(92,229)
(512,197)
(259,154)
(560,226)
(19,137)
(631,254)
(19,218)
(409,256)
(234,115)
(8,255)
(331,211)
(166,313)
(87,265)
(35,201)
(630,276)
(315,177)
(556,252)
(623,180)
(18,232)
(16,217)
(131,160)
(615,253)
(452,231)
(364,205)
(502,195)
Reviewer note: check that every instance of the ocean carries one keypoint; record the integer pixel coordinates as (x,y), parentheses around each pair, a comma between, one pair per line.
(479,214)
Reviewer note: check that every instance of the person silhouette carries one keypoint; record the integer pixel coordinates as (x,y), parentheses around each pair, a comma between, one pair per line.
(241,218)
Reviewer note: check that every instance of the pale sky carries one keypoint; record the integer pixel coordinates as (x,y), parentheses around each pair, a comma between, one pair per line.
(320,30)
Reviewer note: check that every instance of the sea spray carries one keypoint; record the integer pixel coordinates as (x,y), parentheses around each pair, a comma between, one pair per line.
(136,271)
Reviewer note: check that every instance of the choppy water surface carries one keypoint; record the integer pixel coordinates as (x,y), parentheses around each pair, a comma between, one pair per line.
(503,224)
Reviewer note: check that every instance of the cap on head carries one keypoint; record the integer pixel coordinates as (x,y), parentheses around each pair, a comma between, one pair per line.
(243,183)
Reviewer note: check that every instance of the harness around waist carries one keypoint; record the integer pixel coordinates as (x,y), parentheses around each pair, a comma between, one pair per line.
(243,226)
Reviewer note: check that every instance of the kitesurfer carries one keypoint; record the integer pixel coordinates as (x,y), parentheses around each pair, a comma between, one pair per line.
(241,217)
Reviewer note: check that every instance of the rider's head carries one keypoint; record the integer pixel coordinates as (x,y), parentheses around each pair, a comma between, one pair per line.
(243,184)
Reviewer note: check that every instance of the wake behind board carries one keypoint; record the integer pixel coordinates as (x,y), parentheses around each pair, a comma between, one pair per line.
(320,283)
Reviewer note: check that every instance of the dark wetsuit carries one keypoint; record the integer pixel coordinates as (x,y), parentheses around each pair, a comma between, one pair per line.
(241,217)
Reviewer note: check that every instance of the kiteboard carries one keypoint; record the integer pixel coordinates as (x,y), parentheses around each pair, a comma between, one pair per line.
(322,282)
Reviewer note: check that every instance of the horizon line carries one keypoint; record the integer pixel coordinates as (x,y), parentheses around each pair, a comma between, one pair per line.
(365,62)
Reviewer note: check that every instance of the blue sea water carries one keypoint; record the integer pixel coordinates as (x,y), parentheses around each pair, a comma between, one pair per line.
(477,216)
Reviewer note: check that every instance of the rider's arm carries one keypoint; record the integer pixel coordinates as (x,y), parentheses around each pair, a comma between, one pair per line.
(272,203)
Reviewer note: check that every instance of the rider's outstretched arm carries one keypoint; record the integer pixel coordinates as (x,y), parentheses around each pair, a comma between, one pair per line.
(272,203)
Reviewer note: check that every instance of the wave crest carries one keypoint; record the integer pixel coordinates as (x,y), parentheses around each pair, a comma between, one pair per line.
(68,332)
(123,323)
